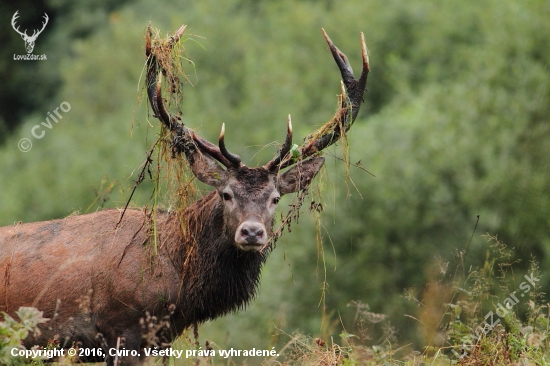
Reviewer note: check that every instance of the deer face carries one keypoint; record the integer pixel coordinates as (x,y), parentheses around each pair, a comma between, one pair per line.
(250,196)
(29,43)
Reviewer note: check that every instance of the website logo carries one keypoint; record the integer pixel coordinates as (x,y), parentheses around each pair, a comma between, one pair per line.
(29,40)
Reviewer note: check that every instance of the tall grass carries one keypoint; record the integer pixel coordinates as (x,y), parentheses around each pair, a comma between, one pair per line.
(489,315)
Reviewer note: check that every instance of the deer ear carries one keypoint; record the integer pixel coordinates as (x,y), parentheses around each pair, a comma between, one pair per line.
(207,170)
(299,176)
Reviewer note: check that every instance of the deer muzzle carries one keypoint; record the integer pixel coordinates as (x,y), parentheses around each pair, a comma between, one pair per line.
(251,235)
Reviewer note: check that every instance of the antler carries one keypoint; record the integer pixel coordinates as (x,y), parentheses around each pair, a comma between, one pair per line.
(350,101)
(13,19)
(24,34)
(36,33)
(185,138)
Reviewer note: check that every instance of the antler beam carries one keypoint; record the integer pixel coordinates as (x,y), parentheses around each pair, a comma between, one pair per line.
(350,102)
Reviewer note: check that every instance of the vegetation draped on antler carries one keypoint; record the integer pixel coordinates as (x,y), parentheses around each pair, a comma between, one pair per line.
(186,140)
(350,98)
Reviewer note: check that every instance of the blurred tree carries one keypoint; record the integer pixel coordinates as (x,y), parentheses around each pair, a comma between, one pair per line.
(29,86)
(465,134)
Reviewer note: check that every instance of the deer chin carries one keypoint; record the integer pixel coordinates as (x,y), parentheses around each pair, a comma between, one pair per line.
(249,247)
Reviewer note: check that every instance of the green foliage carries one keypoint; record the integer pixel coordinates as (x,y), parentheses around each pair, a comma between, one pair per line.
(13,332)
(468,329)
(481,330)
(459,143)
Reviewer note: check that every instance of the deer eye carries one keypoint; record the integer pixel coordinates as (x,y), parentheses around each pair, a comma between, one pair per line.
(226,196)
(276,200)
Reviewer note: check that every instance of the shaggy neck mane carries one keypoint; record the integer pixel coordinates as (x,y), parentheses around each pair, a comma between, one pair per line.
(217,277)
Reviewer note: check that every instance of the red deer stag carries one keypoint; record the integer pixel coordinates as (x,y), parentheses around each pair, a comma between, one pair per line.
(95,277)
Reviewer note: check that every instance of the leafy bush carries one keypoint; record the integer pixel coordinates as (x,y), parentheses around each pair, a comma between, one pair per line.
(463,321)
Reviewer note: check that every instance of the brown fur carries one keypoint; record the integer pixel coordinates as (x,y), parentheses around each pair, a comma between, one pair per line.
(90,276)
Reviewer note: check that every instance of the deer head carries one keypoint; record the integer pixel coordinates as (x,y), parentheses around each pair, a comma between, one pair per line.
(249,195)
(29,40)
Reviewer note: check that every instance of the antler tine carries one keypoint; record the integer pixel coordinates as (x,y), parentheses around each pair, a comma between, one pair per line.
(176,37)
(362,83)
(350,101)
(340,58)
(233,158)
(274,164)
(210,149)
(148,35)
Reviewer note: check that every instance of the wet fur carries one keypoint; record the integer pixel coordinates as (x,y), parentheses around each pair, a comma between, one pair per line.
(204,275)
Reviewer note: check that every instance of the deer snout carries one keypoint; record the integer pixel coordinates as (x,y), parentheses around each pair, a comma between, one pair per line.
(250,235)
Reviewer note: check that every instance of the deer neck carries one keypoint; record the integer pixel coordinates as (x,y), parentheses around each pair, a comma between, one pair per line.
(217,276)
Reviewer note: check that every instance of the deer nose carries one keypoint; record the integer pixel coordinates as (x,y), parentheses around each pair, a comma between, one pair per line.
(252,232)
(250,235)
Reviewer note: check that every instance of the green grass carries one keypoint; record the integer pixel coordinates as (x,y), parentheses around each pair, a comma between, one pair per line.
(489,315)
